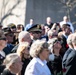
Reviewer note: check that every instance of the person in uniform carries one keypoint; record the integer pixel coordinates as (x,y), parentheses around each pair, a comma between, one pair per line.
(9,36)
(35,31)
(3,42)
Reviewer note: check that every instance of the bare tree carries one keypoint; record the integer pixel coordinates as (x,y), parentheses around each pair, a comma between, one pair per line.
(69,4)
(4,14)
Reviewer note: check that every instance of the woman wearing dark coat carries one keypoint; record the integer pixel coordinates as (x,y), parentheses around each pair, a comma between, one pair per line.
(13,64)
(55,64)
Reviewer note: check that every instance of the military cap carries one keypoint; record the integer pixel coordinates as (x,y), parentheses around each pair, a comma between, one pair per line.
(7,30)
(34,28)
(11,25)
(2,36)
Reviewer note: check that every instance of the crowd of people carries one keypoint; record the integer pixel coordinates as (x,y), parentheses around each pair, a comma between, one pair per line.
(38,49)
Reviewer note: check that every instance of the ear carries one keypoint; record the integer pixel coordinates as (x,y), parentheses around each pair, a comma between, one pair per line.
(11,66)
(31,34)
(23,39)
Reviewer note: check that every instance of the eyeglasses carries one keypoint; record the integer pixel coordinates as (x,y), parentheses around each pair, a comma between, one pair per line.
(57,41)
(3,39)
(13,27)
(36,32)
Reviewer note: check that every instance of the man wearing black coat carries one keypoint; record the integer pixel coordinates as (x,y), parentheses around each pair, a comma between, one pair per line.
(69,59)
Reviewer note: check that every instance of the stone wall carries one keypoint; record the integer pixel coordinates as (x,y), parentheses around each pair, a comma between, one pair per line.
(20,11)
(40,9)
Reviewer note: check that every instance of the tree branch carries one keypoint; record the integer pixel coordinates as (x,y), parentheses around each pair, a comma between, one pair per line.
(10,11)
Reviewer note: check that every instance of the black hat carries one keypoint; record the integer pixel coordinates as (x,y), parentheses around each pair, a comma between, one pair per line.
(2,36)
(35,28)
(7,30)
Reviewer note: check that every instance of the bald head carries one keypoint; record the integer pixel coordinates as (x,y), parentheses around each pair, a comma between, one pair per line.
(65,18)
(48,19)
(24,36)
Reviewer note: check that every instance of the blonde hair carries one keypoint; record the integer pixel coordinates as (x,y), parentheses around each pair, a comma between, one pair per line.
(21,48)
(37,47)
(74,39)
(10,59)
(50,33)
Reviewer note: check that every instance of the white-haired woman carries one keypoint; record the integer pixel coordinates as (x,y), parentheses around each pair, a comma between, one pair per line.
(13,64)
(39,51)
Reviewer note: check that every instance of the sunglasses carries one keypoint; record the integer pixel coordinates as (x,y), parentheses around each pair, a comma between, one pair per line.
(13,27)
(3,39)
(57,41)
(37,32)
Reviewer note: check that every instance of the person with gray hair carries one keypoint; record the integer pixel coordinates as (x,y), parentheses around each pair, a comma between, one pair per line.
(24,36)
(52,34)
(69,59)
(74,41)
(69,40)
(13,64)
(66,21)
(39,51)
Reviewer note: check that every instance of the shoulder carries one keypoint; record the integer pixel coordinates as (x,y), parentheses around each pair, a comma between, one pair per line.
(31,68)
(6,72)
(32,63)
(14,49)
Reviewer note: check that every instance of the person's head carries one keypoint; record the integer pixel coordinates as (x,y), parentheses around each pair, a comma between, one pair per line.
(23,50)
(35,31)
(31,21)
(8,34)
(24,36)
(74,40)
(12,26)
(67,30)
(52,34)
(35,35)
(39,49)
(63,27)
(48,20)
(43,29)
(65,19)
(3,40)
(54,44)
(13,63)
(20,27)
(69,40)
